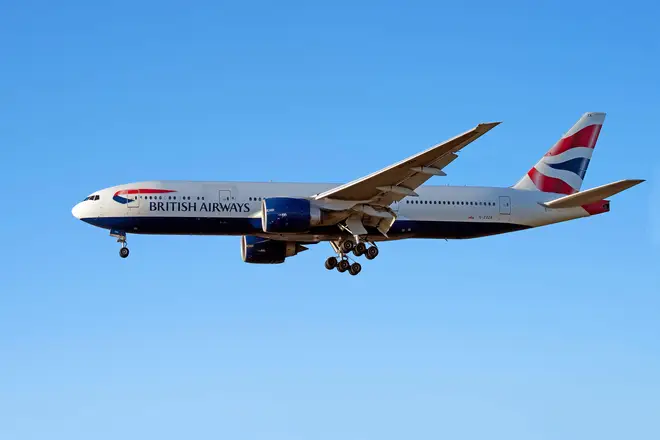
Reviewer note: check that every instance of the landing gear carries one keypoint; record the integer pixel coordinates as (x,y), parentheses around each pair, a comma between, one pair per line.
(359,249)
(121,238)
(331,263)
(347,246)
(343,266)
(342,262)
(355,269)
(372,252)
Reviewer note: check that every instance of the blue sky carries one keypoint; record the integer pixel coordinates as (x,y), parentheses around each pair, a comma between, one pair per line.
(544,334)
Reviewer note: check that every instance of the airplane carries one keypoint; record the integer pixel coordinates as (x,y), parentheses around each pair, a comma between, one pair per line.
(279,220)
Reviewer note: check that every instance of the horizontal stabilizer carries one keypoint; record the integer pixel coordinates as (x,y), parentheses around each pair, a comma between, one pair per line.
(592,195)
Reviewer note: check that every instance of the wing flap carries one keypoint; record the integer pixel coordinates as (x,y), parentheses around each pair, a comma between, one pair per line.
(592,195)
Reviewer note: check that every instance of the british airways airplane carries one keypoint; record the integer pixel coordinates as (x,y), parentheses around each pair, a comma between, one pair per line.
(278,220)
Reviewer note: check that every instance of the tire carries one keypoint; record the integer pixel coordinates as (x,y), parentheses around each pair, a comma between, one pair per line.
(331,263)
(372,252)
(355,269)
(347,246)
(123,252)
(359,249)
(343,265)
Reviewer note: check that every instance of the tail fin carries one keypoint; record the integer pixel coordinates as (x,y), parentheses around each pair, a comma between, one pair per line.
(563,168)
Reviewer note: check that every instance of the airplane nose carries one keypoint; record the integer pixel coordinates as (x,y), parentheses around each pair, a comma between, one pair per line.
(76,211)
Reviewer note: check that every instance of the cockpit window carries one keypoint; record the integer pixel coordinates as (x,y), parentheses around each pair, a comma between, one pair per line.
(94,197)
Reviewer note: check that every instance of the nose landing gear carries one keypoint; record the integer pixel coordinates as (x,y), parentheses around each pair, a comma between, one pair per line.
(123,252)
(121,238)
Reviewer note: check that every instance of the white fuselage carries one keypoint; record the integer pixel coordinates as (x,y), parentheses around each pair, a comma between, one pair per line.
(234,208)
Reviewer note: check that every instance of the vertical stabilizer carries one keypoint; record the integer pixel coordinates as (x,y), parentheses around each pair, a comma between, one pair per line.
(563,168)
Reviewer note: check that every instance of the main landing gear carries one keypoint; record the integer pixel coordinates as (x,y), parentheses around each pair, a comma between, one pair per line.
(121,238)
(342,264)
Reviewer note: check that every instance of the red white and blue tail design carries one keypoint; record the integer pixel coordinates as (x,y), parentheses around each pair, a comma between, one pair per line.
(563,168)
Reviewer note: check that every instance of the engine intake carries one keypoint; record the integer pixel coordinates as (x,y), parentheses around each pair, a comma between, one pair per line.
(265,251)
(285,214)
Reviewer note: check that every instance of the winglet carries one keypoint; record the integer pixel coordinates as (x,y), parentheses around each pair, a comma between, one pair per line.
(489,125)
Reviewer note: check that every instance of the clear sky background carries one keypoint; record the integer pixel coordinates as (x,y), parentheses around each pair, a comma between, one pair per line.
(550,333)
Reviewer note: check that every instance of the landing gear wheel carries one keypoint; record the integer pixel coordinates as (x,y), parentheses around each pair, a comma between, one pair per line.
(343,266)
(331,263)
(347,246)
(359,249)
(123,252)
(355,269)
(372,252)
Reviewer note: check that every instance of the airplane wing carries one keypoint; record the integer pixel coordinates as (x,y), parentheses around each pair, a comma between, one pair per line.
(397,181)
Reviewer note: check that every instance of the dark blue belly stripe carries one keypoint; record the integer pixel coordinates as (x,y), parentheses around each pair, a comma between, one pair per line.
(250,226)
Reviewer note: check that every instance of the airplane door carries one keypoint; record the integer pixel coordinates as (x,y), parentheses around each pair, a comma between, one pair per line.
(225,197)
(505,207)
(134,197)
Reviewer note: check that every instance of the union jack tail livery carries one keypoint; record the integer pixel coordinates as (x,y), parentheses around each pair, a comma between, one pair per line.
(563,168)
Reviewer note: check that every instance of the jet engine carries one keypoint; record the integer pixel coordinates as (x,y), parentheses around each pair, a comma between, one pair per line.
(265,251)
(285,214)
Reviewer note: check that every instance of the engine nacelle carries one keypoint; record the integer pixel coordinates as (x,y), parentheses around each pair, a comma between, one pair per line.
(286,214)
(265,251)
